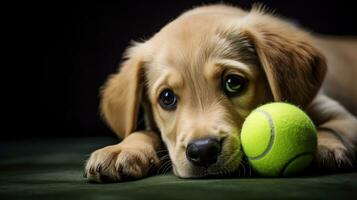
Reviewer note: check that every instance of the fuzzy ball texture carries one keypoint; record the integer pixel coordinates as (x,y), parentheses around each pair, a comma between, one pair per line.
(279,139)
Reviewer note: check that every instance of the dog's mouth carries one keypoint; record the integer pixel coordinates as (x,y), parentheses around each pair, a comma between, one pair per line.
(208,157)
(233,166)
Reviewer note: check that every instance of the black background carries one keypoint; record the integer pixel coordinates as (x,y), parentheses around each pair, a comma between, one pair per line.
(63,52)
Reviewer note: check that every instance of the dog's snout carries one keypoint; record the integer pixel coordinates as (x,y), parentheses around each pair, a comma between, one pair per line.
(203,152)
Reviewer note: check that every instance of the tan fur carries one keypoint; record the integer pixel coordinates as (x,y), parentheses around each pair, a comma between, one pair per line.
(190,56)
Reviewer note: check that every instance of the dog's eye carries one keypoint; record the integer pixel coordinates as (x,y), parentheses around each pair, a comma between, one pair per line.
(168,100)
(233,84)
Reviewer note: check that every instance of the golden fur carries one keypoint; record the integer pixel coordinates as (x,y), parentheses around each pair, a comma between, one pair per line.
(190,55)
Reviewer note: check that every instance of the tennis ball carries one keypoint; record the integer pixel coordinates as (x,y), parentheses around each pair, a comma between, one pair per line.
(278,139)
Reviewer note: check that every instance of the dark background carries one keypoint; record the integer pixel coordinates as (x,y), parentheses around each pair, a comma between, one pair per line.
(64,52)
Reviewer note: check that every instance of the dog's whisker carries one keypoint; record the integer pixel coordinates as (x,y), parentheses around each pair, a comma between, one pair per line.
(228,172)
(163,166)
(225,172)
(168,168)
(159,169)
(242,171)
(164,157)
(243,160)
(247,170)
(233,156)
(222,172)
(250,171)
(323,162)
(162,150)
(163,160)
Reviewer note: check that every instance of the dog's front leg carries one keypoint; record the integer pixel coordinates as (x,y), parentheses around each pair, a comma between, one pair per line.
(130,159)
(337,134)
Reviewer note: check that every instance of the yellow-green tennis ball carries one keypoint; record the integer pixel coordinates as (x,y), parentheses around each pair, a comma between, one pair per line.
(278,139)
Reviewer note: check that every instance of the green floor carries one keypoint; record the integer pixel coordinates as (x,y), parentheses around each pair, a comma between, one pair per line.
(53,169)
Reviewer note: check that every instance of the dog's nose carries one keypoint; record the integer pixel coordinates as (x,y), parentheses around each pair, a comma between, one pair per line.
(203,152)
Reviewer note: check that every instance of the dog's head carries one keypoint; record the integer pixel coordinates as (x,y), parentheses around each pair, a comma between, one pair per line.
(202,74)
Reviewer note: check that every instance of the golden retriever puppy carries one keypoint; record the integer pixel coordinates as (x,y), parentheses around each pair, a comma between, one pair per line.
(198,78)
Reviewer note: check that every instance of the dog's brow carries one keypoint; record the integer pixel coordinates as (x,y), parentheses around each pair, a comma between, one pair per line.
(168,79)
(247,70)
(233,63)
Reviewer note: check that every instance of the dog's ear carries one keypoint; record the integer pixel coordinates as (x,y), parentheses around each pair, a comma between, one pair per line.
(294,67)
(121,94)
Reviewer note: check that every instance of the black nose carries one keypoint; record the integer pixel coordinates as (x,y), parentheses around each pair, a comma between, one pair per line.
(203,152)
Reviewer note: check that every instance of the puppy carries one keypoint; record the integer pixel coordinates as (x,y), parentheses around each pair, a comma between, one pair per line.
(199,77)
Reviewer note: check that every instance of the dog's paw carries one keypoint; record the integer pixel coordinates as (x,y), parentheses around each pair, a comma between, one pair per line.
(332,154)
(119,163)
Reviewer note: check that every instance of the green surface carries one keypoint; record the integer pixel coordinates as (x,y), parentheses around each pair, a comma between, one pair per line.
(53,169)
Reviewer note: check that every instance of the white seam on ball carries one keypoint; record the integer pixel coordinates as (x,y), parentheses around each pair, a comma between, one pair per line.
(272,135)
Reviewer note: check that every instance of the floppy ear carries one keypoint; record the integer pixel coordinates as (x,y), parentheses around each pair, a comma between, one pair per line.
(121,95)
(295,69)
